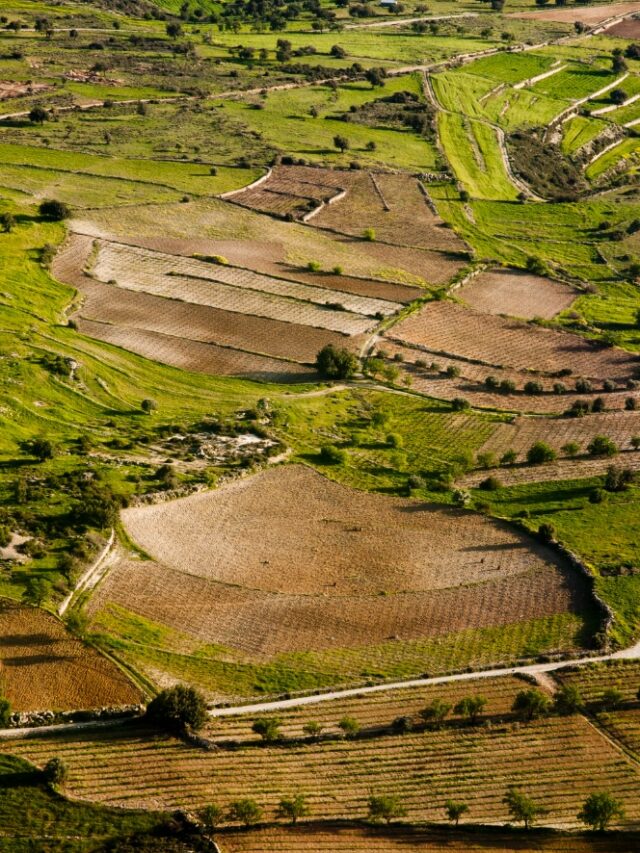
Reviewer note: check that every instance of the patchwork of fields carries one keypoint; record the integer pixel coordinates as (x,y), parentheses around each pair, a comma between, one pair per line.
(196,200)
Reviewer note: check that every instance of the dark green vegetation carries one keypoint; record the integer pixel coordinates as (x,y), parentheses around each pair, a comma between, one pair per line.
(36,817)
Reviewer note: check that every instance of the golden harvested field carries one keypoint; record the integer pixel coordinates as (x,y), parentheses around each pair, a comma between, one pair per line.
(338,838)
(289,530)
(373,710)
(558,761)
(594,678)
(523,432)
(448,328)
(43,667)
(591,15)
(516,294)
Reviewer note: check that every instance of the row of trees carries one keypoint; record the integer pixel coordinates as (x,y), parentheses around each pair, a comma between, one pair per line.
(598,811)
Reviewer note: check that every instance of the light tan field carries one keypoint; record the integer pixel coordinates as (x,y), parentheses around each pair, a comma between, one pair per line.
(592,15)
(448,328)
(289,530)
(516,294)
(43,667)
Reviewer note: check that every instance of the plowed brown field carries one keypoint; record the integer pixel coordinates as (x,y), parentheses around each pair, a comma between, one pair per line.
(263,625)
(197,356)
(523,432)
(591,15)
(319,838)
(43,667)
(289,530)
(452,329)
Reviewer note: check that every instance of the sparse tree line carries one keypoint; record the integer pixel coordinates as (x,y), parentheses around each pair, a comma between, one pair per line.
(599,810)
(182,709)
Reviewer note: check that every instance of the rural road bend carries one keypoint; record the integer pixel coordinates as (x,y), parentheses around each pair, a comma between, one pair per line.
(631,653)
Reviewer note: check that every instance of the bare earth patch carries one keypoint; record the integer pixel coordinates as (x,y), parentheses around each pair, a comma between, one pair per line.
(516,294)
(628,29)
(43,667)
(290,530)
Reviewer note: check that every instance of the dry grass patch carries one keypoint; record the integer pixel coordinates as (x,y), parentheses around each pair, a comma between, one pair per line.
(516,294)
(44,667)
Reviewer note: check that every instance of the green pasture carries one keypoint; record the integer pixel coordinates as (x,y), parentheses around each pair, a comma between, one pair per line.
(603,534)
(283,119)
(580,130)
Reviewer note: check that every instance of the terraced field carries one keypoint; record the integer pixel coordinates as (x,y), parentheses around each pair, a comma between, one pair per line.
(449,329)
(555,760)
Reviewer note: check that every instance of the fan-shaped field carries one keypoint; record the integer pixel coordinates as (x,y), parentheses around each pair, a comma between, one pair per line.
(291,531)
(287,569)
